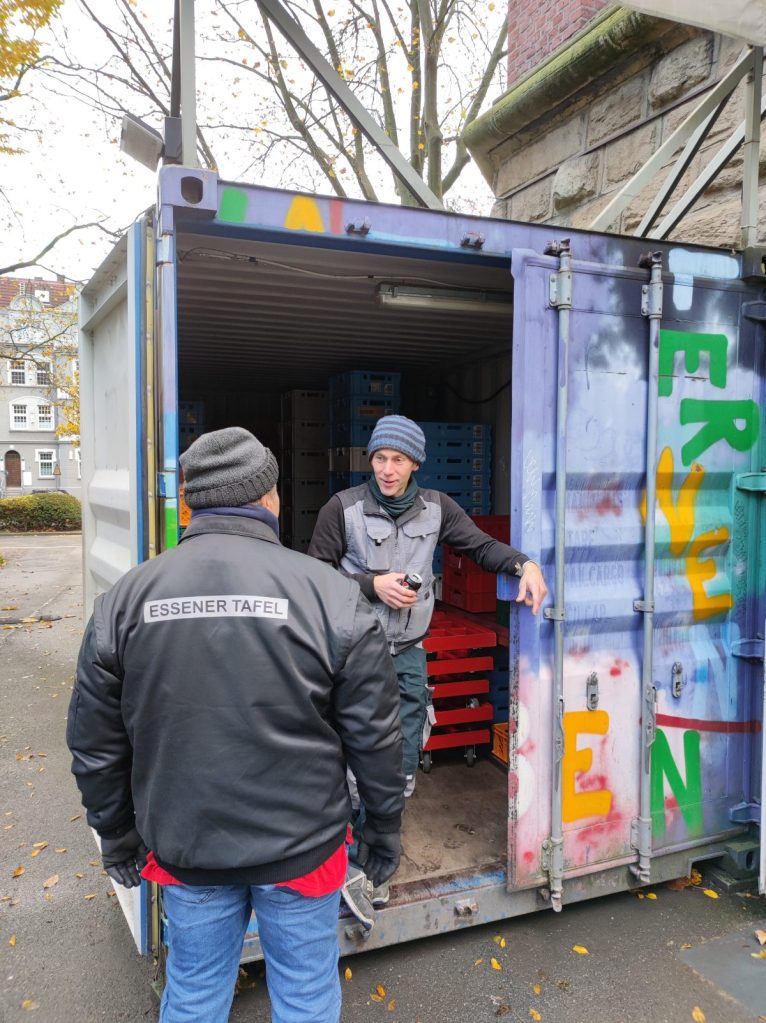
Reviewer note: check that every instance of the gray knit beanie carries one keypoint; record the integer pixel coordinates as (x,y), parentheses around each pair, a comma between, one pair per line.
(401,434)
(227,468)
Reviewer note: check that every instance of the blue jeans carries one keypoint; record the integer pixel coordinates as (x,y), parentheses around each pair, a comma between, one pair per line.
(410,667)
(206,930)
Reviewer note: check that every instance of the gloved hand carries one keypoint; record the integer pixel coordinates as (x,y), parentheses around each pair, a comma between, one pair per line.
(379,853)
(124,858)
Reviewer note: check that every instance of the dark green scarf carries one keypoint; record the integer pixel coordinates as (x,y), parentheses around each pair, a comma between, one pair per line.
(395,505)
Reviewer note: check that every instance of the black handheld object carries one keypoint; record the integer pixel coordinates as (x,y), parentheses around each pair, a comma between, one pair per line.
(413,581)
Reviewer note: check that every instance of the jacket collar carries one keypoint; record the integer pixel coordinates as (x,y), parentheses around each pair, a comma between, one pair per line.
(237,525)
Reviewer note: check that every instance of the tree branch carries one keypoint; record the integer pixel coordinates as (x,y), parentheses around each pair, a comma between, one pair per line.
(36,260)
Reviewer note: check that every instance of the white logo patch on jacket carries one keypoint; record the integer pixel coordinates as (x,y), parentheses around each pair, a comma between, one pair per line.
(220,606)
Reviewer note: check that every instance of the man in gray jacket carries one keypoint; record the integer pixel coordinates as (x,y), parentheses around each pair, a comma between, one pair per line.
(378,532)
(221,692)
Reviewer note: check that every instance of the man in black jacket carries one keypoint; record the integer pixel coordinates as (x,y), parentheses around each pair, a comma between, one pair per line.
(222,689)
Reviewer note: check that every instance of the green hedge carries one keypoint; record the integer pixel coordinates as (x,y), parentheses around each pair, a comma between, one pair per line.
(40,512)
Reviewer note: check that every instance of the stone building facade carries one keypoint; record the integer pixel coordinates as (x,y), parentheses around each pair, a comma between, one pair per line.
(581,116)
(38,349)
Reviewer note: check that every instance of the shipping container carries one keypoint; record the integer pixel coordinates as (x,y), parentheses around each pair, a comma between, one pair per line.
(614,380)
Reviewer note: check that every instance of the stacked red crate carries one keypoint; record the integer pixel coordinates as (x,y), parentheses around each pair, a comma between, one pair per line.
(454,673)
(465,585)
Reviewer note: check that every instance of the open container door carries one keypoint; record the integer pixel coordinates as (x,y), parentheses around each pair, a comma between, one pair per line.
(116,370)
(632,702)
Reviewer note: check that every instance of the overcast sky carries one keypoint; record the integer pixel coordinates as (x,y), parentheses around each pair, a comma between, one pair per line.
(72,170)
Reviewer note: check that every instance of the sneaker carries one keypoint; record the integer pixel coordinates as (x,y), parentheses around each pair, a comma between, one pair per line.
(381,894)
(409,786)
(357,892)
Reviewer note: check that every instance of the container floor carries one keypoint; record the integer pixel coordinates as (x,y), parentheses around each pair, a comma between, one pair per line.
(456,820)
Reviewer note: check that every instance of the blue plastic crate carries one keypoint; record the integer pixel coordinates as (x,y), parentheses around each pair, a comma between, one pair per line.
(345,480)
(364,409)
(365,383)
(471,507)
(453,482)
(463,449)
(457,431)
(351,433)
(463,461)
(191,413)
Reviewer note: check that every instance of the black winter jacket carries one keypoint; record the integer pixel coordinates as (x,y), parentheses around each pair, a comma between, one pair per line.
(221,689)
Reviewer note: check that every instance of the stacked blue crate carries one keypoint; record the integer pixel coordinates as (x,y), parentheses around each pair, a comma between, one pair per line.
(459,463)
(358,399)
(191,422)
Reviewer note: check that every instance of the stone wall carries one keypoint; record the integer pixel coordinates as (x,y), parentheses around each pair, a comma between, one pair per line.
(557,146)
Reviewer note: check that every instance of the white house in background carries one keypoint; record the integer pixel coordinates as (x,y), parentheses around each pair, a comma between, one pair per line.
(38,345)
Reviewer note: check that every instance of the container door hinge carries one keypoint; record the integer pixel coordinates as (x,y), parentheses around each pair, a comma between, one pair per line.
(554,614)
(166,484)
(641,841)
(560,290)
(591,691)
(749,649)
(754,482)
(745,813)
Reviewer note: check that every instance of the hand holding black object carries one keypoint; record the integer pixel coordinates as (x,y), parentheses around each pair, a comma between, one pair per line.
(379,853)
(124,858)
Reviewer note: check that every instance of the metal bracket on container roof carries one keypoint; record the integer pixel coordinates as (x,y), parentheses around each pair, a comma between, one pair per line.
(591,691)
(359,227)
(755,482)
(472,240)
(677,679)
(755,311)
(748,649)
(644,606)
(651,293)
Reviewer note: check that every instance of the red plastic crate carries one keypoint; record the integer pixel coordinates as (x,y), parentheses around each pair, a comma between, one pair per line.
(496,526)
(459,666)
(460,636)
(477,603)
(464,715)
(453,739)
(471,687)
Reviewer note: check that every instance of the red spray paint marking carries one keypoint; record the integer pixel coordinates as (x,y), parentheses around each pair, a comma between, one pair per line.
(700,725)
(608,504)
(336,216)
(529,857)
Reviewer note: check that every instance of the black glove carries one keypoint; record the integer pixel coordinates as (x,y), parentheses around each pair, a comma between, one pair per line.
(379,853)
(124,858)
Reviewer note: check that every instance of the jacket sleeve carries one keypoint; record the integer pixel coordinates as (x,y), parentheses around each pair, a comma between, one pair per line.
(102,756)
(366,708)
(460,532)
(328,543)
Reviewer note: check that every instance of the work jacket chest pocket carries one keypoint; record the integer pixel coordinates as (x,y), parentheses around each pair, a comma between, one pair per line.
(380,545)
(421,537)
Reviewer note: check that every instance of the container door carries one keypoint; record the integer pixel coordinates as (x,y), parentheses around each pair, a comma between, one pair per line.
(610,765)
(116,366)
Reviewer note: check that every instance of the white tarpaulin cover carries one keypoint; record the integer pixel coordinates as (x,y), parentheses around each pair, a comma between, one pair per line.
(745,19)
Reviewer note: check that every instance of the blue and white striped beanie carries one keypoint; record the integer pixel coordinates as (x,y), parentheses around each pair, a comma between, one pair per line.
(401,434)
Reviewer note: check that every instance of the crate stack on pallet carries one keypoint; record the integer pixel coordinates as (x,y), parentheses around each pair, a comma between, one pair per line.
(467,586)
(191,422)
(303,468)
(358,399)
(459,660)
(459,463)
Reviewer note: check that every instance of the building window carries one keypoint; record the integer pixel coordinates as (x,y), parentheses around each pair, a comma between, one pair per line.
(18,374)
(45,462)
(42,295)
(44,417)
(43,374)
(18,417)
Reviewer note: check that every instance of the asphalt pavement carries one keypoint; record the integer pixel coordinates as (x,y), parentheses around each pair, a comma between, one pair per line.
(67,955)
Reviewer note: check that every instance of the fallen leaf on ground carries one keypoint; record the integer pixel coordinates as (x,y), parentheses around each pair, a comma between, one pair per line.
(49,883)
(759,955)
(89,897)
(710,893)
(502,1010)
(35,852)
(761,936)
(111,894)
(12,940)
(380,990)
(39,845)
(495,964)
(30,1003)
(478,962)
(79,876)
(537,989)
(60,850)
(640,895)
(500,940)
(76,817)
(18,872)
(391,1005)
(696,877)
(698,1015)
(581,950)
(535,1015)
(9,607)
(347,973)
(375,998)
(652,896)
(685,946)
